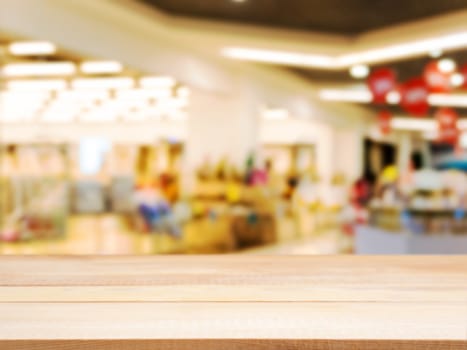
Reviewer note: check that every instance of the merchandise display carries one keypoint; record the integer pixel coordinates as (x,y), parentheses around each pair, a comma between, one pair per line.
(34,192)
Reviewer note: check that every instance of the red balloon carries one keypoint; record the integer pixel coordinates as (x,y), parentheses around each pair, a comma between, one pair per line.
(446,118)
(436,80)
(384,122)
(414,97)
(463,71)
(381,82)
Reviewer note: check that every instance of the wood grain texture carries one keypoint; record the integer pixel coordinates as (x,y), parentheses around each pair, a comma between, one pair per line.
(233,302)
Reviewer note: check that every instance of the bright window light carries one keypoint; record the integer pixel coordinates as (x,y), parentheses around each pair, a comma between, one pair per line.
(101,67)
(446,65)
(32,48)
(33,85)
(103,83)
(157,82)
(38,69)
(359,71)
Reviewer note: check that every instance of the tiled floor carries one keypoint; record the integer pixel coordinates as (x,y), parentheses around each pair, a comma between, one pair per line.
(108,234)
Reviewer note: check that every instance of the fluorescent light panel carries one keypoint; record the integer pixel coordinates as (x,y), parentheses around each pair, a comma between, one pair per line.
(101,67)
(38,69)
(157,82)
(364,96)
(279,57)
(143,94)
(33,85)
(376,55)
(103,83)
(83,95)
(32,48)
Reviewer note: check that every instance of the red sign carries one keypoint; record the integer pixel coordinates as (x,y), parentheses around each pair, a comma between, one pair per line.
(447,125)
(381,82)
(436,80)
(384,122)
(414,97)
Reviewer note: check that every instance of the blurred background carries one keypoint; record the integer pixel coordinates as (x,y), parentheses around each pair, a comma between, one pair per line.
(233,126)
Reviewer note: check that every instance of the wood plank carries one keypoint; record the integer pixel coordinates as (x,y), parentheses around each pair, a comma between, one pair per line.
(229,278)
(233,302)
(230,344)
(319,320)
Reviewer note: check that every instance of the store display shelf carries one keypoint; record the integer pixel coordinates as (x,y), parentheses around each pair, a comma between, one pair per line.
(228,302)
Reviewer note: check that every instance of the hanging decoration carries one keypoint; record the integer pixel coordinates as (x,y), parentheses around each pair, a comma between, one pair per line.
(414,97)
(446,119)
(384,121)
(463,72)
(381,82)
(435,79)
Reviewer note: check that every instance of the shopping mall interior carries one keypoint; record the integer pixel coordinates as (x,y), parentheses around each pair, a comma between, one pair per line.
(233,126)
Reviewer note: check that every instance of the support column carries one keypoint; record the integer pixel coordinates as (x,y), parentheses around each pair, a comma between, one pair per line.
(404,152)
(219,126)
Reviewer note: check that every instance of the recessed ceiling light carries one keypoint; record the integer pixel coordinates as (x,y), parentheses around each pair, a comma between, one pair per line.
(457,79)
(359,71)
(31,48)
(446,65)
(238,1)
(436,53)
(393,97)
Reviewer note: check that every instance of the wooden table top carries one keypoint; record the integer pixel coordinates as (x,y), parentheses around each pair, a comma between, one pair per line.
(233,302)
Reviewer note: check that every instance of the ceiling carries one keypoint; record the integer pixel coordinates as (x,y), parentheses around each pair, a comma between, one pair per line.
(343,17)
(346,17)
